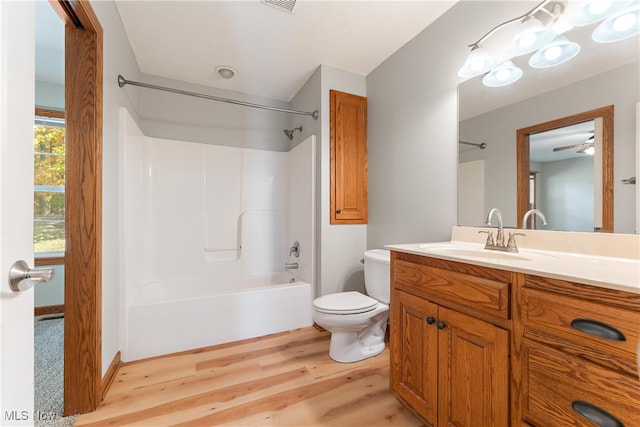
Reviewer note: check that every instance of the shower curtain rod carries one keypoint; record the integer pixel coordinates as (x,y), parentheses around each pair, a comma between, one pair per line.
(482,145)
(122,82)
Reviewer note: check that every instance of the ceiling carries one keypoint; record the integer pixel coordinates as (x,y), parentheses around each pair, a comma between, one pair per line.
(543,143)
(274,52)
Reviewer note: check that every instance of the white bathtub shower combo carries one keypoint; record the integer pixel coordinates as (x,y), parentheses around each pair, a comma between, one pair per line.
(207,231)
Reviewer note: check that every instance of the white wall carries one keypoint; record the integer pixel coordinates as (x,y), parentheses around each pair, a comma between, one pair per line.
(49,95)
(185,118)
(619,87)
(339,247)
(118,59)
(471,210)
(413,129)
(343,245)
(565,194)
(52,292)
(309,98)
(301,198)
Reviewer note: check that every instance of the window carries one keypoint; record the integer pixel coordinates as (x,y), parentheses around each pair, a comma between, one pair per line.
(49,175)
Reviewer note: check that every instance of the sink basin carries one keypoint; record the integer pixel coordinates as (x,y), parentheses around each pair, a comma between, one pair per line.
(479,253)
(463,250)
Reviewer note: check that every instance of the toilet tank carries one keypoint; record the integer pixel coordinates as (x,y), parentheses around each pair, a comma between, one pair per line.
(377,274)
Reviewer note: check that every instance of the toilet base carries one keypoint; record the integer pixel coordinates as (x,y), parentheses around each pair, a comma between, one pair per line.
(353,346)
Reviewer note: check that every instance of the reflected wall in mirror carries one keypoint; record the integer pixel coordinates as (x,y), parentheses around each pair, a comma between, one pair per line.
(565,169)
(497,127)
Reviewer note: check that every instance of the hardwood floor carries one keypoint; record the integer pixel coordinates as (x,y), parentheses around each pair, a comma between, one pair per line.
(284,379)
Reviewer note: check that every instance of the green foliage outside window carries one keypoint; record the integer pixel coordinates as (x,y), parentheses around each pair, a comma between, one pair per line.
(48,201)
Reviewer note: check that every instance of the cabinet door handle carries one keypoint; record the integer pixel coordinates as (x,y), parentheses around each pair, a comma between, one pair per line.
(599,329)
(339,211)
(441,325)
(595,414)
(430,320)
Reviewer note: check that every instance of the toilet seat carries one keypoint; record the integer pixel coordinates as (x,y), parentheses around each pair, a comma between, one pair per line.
(345,303)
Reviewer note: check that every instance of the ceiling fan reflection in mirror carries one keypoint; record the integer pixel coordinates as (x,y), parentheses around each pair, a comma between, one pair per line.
(582,148)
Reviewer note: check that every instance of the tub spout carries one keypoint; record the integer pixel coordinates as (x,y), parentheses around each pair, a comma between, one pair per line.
(290,265)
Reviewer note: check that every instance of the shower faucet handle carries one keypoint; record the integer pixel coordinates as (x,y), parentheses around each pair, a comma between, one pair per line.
(295,249)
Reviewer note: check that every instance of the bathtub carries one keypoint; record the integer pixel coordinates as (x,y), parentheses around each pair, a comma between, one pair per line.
(172,316)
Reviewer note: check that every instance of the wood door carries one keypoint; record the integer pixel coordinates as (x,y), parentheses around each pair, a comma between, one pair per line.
(414,353)
(473,374)
(348,181)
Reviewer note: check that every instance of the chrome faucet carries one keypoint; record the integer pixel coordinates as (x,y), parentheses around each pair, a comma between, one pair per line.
(500,236)
(290,265)
(537,212)
(498,244)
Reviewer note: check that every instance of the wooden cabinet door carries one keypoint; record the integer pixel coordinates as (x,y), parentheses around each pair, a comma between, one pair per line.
(348,175)
(414,353)
(473,374)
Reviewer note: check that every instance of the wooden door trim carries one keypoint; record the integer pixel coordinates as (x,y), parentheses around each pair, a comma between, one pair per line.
(83,199)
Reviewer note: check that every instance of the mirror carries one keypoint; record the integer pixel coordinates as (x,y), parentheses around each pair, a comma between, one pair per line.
(564,178)
(601,75)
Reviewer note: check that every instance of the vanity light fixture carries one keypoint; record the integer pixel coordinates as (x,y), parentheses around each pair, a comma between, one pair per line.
(530,36)
(595,10)
(560,50)
(619,27)
(478,62)
(533,34)
(502,75)
(621,20)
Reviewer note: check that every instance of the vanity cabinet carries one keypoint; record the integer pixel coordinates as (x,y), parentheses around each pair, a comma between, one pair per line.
(579,354)
(478,346)
(450,340)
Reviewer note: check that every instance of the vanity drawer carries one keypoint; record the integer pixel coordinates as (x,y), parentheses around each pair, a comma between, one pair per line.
(561,387)
(602,333)
(479,291)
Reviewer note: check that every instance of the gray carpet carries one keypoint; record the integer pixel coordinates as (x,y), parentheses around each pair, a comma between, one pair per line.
(49,372)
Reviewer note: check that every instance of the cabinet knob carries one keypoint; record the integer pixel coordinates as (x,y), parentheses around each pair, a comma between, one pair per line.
(441,325)
(431,320)
(339,211)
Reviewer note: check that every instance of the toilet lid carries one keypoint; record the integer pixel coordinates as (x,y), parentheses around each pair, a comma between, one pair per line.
(345,303)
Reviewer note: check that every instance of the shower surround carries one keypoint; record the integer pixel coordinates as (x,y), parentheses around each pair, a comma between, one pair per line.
(206,233)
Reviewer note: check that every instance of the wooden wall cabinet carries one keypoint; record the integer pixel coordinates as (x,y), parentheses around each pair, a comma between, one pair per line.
(348,158)
(449,360)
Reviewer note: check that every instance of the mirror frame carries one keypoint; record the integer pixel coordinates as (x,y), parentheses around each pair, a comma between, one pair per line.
(522,135)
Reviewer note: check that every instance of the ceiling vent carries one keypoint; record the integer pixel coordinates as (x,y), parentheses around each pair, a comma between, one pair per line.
(284,5)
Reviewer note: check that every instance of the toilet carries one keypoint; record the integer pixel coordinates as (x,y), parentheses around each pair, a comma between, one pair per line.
(358,322)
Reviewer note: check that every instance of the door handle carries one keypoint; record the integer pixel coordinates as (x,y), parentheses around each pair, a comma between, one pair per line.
(22,278)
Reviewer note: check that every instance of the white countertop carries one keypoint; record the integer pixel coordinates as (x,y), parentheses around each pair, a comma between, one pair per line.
(603,271)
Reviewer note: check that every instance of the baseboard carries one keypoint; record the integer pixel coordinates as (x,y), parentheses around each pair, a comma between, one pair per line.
(48,309)
(110,375)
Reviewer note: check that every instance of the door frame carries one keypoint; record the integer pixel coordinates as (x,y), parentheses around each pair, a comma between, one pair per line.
(83,204)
